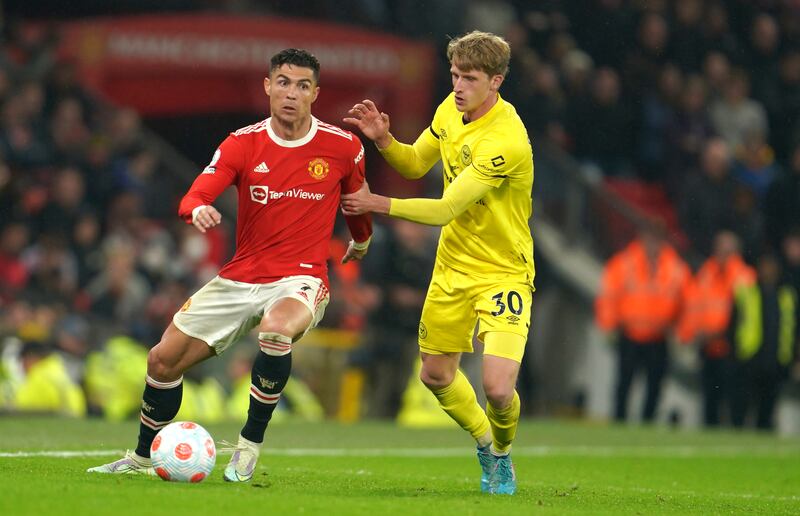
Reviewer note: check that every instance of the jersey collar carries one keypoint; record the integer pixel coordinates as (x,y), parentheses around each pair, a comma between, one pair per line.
(292,143)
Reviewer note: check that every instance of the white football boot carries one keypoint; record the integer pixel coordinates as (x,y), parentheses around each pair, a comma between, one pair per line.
(130,464)
(243,461)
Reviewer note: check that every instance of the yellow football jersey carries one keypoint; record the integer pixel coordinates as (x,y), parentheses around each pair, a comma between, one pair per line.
(493,237)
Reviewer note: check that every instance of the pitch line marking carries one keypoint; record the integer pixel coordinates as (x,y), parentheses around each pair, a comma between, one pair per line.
(678,451)
(524,451)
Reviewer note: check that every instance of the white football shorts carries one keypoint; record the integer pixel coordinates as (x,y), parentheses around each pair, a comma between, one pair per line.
(224,310)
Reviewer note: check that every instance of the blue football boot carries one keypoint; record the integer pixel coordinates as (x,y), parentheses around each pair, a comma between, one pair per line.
(503,479)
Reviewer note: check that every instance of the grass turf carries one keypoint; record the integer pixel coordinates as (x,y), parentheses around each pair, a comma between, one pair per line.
(377,468)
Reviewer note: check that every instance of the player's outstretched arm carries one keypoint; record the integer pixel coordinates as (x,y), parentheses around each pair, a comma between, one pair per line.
(410,161)
(464,192)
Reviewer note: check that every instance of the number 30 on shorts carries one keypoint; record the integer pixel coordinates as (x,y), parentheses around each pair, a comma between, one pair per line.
(511,301)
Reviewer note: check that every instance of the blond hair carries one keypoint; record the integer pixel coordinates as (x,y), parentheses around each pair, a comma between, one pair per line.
(482,51)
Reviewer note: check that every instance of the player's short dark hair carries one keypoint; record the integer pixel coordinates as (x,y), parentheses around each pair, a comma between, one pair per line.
(296,57)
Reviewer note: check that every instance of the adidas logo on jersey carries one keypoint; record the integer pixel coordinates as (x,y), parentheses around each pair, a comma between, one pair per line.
(261,168)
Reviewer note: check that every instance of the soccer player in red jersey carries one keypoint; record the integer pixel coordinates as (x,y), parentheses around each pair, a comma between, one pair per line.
(290,171)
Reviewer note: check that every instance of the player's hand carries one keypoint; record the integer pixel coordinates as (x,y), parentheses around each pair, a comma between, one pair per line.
(353,253)
(358,202)
(373,123)
(206,218)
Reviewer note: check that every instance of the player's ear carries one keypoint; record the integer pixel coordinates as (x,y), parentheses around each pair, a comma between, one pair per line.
(316,94)
(266,85)
(496,81)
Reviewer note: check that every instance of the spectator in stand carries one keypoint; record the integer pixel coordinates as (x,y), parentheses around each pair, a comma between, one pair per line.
(686,133)
(69,132)
(23,140)
(546,106)
(85,245)
(707,197)
(747,221)
(782,206)
(755,167)
(608,46)
(791,257)
(66,195)
(641,298)
(717,73)
(52,268)
(644,63)
(764,328)
(707,316)
(687,35)
(735,114)
(119,292)
(601,126)
(14,237)
(577,69)
(785,122)
(658,110)
(717,33)
(763,61)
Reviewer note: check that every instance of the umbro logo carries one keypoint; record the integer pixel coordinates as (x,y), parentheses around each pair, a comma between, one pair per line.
(261,168)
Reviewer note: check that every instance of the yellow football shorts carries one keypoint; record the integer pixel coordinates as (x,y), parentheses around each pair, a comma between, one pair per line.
(456,301)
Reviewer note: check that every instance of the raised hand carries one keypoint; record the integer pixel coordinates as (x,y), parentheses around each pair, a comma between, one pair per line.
(373,123)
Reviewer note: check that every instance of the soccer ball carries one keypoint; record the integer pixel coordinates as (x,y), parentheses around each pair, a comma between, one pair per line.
(183,452)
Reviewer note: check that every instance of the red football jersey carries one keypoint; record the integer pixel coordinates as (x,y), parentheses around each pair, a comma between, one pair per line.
(288,198)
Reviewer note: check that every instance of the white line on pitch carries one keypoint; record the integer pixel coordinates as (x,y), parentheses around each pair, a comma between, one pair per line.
(519,451)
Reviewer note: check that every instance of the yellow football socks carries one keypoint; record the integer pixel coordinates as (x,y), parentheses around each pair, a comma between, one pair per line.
(504,425)
(459,401)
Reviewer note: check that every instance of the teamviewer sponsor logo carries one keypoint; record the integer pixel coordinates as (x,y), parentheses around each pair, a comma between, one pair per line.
(259,194)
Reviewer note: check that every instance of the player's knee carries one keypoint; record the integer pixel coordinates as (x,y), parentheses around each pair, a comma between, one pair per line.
(435,379)
(498,394)
(161,369)
(279,326)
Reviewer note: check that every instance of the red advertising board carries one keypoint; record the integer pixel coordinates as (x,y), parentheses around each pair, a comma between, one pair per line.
(191,64)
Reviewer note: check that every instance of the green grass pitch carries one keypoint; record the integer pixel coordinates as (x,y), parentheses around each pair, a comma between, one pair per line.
(380,469)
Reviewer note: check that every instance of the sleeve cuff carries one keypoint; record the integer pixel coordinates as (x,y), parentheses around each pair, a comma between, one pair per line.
(361,246)
(196,211)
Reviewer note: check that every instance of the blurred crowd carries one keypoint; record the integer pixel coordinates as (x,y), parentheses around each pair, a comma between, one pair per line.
(699,98)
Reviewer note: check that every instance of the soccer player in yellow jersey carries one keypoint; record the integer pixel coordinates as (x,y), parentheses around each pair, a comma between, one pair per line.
(484,265)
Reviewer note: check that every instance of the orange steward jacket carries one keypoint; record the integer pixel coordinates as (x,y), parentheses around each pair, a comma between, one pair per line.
(709,303)
(642,301)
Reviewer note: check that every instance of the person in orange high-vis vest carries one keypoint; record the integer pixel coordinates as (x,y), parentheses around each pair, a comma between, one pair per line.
(641,298)
(707,316)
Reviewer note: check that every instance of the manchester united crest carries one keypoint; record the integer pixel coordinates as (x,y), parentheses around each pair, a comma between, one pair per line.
(318,168)
(186,305)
